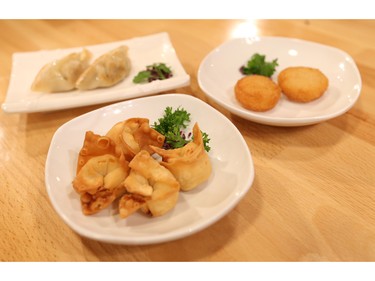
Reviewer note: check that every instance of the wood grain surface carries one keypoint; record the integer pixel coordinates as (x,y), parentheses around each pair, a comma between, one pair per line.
(313,197)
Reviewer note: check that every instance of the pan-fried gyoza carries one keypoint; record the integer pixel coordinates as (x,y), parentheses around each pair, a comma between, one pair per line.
(61,75)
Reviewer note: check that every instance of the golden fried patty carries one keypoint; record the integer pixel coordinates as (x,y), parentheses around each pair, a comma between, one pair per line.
(257,93)
(302,84)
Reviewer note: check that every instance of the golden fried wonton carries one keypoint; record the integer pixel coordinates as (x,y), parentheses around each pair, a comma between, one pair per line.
(190,164)
(100,182)
(95,145)
(134,135)
(151,187)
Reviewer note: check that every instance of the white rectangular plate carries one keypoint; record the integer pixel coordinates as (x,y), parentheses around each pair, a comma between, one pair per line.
(143,51)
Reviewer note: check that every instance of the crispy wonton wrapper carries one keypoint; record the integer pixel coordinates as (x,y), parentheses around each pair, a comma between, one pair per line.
(100,182)
(190,164)
(134,135)
(151,187)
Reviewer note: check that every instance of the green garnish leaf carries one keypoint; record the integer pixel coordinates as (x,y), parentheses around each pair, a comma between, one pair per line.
(172,126)
(206,140)
(163,68)
(172,120)
(156,71)
(258,65)
(142,76)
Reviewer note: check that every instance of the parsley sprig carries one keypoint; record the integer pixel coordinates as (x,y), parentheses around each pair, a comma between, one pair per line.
(172,126)
(156,71)
(258,65)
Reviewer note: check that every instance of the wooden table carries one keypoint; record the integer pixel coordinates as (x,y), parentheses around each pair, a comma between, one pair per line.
(313,197)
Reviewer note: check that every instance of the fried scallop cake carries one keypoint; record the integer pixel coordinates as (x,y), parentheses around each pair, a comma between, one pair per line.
(257,92)
(302,84)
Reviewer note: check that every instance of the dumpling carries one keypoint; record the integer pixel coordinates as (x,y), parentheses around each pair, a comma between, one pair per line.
(150,187)
(131,203)
(134,135)
(106,71)
(100,181)
(190,164)
(62,74)
(95,145)
(101,171)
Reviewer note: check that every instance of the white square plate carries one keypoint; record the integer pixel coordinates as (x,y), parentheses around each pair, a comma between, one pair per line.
(232,174)
(143,51)
(219,72)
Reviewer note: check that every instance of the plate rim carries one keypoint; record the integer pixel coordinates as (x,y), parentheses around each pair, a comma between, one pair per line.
(165,237)
(282,121)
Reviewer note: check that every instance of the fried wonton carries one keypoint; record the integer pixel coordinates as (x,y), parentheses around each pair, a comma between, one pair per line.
(150,187)
(134,135)
(100,181)
(95,145)
(190,164)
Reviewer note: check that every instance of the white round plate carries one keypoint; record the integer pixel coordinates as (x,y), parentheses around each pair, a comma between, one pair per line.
(232,176)
(219,72)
